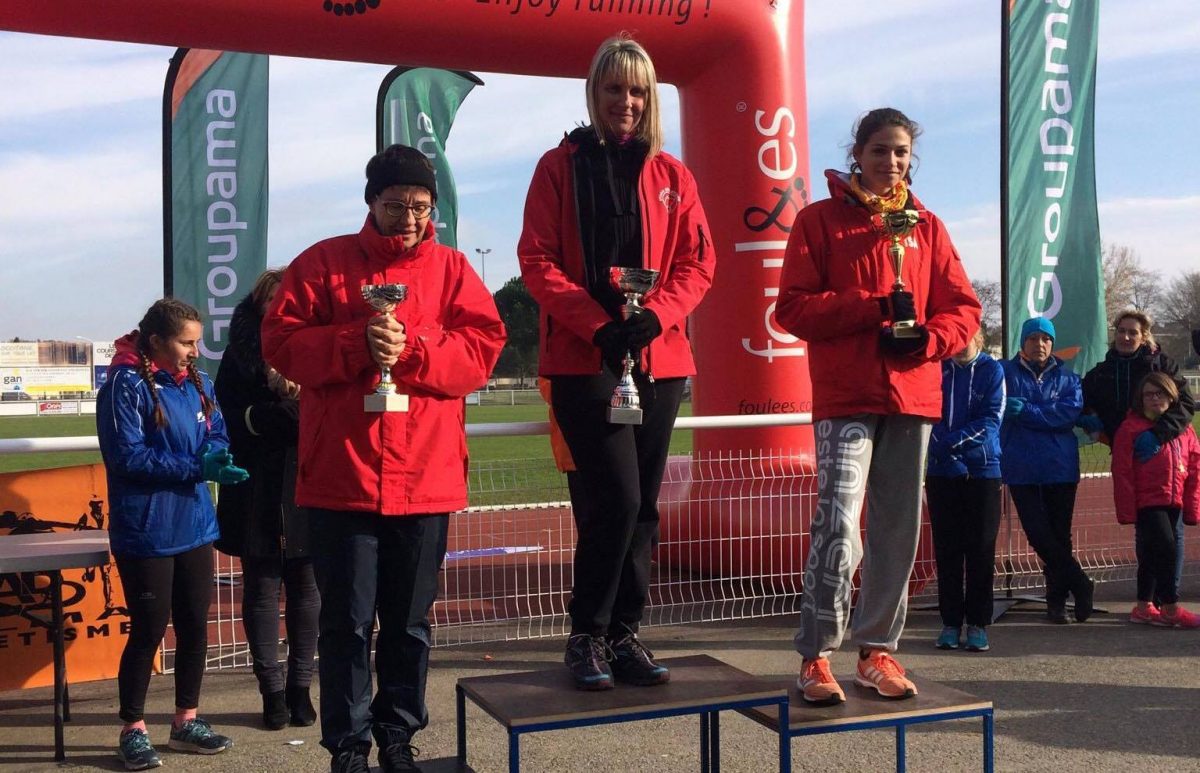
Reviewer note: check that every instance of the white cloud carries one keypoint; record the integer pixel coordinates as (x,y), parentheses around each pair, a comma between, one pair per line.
(1161,229)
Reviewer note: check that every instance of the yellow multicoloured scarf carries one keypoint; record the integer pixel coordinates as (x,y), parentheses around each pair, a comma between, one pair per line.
(892,202)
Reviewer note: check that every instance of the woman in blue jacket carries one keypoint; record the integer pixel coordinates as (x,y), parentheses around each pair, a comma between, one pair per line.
(162,437)
(1040,462)
(962,485)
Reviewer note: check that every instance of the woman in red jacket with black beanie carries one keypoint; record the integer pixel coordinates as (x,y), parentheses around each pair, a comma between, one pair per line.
(608,197)
(877,390)
(381,485)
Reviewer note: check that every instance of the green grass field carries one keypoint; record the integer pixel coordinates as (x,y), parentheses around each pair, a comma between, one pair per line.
(481,449)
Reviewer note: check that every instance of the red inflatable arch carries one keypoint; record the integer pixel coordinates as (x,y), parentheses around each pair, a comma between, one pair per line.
(738,66)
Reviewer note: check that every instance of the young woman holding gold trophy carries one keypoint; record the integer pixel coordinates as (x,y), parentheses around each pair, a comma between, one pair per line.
(872,282)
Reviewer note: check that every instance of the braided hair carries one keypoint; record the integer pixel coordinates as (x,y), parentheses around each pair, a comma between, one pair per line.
(165,318)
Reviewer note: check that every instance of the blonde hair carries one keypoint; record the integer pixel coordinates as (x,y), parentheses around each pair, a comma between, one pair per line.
(622,58)
(1143,320)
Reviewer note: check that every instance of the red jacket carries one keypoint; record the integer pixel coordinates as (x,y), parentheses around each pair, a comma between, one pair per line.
(315,334)
(835,268)
(1170,478)
(676,242)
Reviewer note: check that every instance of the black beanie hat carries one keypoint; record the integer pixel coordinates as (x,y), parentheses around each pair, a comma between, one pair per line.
(399,165)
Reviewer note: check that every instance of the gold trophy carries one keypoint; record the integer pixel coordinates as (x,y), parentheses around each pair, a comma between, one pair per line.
(895,226)
(385,399)
(625,406)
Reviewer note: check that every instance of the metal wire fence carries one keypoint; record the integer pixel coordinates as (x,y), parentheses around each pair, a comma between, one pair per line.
(733,542)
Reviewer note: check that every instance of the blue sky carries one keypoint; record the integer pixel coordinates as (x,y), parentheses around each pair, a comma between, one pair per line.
(80,147)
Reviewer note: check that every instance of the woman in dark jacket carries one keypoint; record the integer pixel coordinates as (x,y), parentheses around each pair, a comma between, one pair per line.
(1108,387)
(1108,392)
(260,522)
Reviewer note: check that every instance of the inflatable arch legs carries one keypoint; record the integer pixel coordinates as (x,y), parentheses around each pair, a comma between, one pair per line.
(738,65)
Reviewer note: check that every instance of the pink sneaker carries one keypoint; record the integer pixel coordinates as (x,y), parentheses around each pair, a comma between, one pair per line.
(1181,619)
(1148,616)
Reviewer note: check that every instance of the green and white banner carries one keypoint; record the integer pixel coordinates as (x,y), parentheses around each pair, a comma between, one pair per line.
(1054,267)
(214,185)
(416,107)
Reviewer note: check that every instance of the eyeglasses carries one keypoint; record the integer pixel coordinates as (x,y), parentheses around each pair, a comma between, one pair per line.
(1155,394)
(399,209)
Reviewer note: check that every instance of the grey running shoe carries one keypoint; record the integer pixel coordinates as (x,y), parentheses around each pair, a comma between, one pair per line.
(197,736)
(136,751)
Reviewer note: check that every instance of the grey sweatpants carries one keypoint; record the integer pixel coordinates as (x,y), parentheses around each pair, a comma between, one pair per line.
(883,458)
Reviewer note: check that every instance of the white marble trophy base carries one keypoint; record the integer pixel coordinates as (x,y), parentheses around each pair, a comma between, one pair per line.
(385,403)
(624,415)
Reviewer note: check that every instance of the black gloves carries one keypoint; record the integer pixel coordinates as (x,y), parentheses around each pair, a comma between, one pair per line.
(903,347)
(610,340)
(898,306)
(640,329)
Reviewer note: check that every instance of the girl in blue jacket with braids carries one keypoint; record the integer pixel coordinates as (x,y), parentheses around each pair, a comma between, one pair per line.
(163,439)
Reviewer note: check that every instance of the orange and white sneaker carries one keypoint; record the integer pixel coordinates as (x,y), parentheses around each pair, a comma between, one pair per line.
(880,671)
(1181,618)
(817,684)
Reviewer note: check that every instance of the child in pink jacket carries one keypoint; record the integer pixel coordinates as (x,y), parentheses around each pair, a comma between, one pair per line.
(1153,495)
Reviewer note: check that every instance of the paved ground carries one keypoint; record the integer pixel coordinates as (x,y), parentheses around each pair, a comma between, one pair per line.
(1102,696)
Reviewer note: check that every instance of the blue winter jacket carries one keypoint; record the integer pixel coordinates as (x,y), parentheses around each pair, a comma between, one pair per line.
(159,504)
(1038,445)
(966,442)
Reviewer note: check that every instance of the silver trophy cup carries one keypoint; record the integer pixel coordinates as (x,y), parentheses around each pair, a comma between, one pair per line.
(625,405)
(894,226)
(385,399)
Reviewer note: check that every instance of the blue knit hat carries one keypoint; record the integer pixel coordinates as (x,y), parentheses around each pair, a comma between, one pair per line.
(1037,325)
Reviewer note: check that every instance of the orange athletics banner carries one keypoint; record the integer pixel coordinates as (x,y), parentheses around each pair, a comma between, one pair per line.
(95,619)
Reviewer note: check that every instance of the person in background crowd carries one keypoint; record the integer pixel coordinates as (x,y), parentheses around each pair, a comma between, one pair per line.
(1109,389)
(381,485)
(260,522)
(876,395)
(962,485)
(1156,495)
(162,438)
(1039,462)
(606,197)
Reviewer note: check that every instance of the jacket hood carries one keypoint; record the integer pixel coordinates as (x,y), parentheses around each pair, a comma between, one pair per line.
(839,188)
(584,137)
(128,356)
(126,353)
(389,248)
(1144,351)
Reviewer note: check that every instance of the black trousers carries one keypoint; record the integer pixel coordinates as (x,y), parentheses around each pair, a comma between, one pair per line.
(964,514)
(614,495)
(177,588)
(1156,546)
(261,581)
(367,565)
(1046,511)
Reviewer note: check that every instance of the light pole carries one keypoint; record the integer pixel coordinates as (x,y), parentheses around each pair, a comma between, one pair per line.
(483,253)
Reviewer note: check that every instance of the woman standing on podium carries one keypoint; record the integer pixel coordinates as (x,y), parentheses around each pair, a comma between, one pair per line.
(874,351)
(607,198)
(162,438)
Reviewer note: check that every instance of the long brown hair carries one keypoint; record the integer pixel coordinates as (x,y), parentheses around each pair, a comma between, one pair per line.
(165,318)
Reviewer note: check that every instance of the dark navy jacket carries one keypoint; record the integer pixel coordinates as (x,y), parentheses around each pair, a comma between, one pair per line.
(159,504)
(966,442)
(1038,445)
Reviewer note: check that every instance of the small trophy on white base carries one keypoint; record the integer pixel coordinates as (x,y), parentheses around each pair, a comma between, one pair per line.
(625,406)
(385,399)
